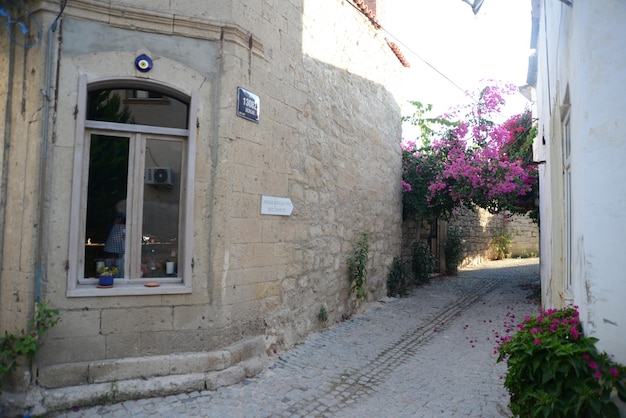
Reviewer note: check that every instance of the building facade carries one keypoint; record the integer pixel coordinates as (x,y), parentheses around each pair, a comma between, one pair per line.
(223,156)
(580,149)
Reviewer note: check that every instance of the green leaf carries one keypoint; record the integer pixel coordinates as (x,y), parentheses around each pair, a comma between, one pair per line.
(609,410)
(621,391)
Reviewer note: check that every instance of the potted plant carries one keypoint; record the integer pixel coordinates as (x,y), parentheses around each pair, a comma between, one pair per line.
(107,275)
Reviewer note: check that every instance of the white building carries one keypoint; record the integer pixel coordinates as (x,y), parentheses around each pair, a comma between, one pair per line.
(581,147)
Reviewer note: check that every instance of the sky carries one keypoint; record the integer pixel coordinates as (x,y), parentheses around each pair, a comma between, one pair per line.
(468,49)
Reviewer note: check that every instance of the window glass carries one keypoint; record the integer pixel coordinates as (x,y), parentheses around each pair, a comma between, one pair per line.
(161,208)
(140,107)
(131,216)
(106,195)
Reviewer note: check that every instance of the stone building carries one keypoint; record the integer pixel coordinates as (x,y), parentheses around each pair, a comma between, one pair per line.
(240,148)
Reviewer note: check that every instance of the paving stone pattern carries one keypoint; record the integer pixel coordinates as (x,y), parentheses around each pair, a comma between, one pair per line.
(427,355)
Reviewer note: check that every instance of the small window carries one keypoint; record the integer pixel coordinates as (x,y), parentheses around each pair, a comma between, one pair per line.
(147,94)
(137,107)
(133,206)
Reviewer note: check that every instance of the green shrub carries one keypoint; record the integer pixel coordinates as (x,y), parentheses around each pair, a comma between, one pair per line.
(555,371)
(323,314)
(500,244)
(423,263)
(357,267)
(454,248)
(25,344)
(398,281)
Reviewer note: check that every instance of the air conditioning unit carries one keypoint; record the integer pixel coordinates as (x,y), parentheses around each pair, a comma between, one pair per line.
(159,176)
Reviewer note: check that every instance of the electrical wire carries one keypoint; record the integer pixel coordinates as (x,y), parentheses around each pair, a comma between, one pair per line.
(418,56)
(24,27)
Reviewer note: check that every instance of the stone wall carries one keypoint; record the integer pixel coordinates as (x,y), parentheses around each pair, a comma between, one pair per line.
(328,139)
(479,227)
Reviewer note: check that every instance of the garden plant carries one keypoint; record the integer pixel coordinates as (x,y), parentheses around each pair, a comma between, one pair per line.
(554,370)
(467,159)
(24,345)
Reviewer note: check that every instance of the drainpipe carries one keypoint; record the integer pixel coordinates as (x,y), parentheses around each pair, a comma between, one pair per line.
(44,154)
(6,144)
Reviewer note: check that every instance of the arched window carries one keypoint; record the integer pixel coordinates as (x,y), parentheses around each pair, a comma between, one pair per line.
(132,191)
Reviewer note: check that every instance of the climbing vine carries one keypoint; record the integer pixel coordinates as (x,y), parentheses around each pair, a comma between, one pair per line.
(357,267)
(469,160)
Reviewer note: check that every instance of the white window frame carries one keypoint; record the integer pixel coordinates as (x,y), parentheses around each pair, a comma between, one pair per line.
(78,286)
(567,202)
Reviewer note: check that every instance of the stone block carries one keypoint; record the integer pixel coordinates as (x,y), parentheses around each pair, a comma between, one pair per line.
(255,275)
(137,20)
(128,368)
(69,397)
(200,362)
(159,386)
(243,350)
(267,289)
(76,324)
(123,345)
(245,204)
(241,256)
(252,367)
(168,342)
(196,28)
(192,317)
(124,321)
(61,375)
(230,376)
(236,294)
(245,231)
(70,350)
(201,8)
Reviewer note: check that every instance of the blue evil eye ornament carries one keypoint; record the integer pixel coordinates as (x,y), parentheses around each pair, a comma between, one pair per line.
(143,63)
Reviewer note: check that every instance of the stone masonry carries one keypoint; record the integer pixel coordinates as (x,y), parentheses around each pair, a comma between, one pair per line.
(327,139)
(479,228)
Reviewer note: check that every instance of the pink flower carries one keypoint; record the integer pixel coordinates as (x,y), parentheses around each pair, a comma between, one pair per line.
(537,341)
(593,365)
(597,375)
(614,372)
(586,357)
(406,187)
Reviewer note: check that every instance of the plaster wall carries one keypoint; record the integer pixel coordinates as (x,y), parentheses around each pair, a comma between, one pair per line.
(582,67)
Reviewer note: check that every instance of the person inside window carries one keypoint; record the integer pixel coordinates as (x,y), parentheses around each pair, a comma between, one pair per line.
(115,244)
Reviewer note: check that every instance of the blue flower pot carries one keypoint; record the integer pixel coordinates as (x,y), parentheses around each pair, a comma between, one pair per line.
(106,281)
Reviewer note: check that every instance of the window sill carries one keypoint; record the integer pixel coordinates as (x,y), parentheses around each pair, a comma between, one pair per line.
(135,289)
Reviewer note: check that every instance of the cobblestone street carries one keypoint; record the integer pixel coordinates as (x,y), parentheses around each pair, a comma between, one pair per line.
(427,355)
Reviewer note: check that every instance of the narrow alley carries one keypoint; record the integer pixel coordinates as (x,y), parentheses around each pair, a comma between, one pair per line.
(427,355)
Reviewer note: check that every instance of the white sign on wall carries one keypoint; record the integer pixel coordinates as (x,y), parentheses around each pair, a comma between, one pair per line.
(272,205)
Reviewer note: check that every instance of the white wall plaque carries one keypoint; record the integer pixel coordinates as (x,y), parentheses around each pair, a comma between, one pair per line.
(272,205)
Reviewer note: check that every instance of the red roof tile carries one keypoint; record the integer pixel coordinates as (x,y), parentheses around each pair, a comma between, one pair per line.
(396,50)
(368,8)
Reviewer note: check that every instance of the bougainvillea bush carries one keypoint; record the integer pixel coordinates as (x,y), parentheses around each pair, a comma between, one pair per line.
(554,370)
(469,160)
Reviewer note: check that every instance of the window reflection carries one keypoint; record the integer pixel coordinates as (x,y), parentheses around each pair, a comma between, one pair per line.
(137,107)
(161,207)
